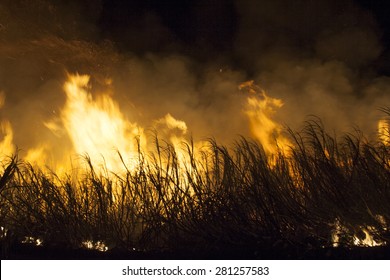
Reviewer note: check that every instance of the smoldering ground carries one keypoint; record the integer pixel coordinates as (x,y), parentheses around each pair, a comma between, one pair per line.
(188,59)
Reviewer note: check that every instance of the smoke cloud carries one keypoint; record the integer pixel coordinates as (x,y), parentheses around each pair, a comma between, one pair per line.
(316,56)
(319,57)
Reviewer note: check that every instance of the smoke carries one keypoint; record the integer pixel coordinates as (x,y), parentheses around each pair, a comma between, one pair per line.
(319,57)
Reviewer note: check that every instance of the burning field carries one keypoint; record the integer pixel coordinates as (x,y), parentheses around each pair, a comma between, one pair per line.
(273,147)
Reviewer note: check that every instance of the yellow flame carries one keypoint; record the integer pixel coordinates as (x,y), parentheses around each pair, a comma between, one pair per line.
(186,152)
(368,240)
(175,131)
(33,240)
(36,155)
(368,231)
(98,245)
(6,134)
(6,144)
(384,131)
(97,127)
(260,108)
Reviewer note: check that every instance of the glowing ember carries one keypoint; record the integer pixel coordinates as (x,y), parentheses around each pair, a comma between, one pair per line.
(365,239)
(3,232)
(33,240)
(98,245)
(368,240)
(336,233)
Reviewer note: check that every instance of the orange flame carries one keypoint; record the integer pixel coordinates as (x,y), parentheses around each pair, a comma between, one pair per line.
(97,127)
(384,132)
(259,108)
(6,134)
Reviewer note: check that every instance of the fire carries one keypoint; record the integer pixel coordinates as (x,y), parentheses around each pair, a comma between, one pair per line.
(173,130)
(98,245)
(259,108)
(97,127)
(6,134)
(6,144)
(384,132)
(365,238)
(368,240)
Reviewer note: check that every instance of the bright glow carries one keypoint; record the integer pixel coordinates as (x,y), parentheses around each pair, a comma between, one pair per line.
(336,233)
(260,108)
(175,131)
(368,240)
(384,132)
(98,245)
(33,240)
(97,127)
(6,134)
(3,232)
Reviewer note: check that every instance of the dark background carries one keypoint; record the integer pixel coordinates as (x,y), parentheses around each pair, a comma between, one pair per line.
(207,28)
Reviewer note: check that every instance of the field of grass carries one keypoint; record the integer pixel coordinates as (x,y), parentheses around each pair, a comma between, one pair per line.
(327,192)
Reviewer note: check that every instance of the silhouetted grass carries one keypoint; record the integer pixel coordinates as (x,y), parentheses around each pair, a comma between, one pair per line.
(222,197)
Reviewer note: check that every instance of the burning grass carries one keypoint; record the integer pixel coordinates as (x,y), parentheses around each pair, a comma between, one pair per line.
(325,192)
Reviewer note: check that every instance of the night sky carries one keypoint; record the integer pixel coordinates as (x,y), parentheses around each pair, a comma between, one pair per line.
(202,29)
(208,29)
(186,26)
(205,29)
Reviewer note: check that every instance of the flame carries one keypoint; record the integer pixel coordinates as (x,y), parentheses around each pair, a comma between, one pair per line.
(175,131)
(384,132)
(36,155)
(96,127)
(259,108)
(98,245)
(6,144)
(368,240)
(173,128)
(33,240)
(6,134)
(368,232)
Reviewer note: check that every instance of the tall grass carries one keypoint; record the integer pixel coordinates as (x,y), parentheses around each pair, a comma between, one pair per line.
(225,197)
